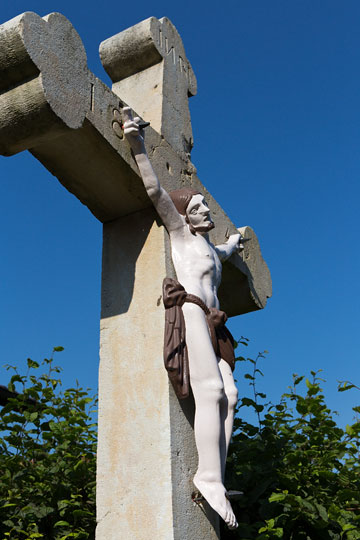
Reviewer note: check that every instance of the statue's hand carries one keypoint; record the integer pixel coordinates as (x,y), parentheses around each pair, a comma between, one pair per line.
(235,242)
(134,135)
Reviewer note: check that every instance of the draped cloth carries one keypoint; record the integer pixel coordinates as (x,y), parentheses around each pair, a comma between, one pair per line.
(176,358)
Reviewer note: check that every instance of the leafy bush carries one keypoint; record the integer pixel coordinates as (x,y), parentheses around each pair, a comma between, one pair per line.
(47,460)
(298,470)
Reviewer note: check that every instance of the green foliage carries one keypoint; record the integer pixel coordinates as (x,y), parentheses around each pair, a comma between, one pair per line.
(47,459)
(298,470)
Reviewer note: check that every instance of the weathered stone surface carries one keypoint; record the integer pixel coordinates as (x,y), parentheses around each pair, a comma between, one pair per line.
(44,68)
(256,287)
(149,69)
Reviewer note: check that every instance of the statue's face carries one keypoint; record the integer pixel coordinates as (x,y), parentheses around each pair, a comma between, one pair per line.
(198,214)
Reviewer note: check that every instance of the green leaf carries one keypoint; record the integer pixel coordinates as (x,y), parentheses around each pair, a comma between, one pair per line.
(32,363)
(348,527)
(344,386)
(58,349)
(247,402)
(62,524)
(33,416)
(81,513)
(276,497)
(16,378)
(322,511)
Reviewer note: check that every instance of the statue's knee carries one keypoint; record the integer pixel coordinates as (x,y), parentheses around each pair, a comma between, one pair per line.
(215,390)
(212,389)
(232,397)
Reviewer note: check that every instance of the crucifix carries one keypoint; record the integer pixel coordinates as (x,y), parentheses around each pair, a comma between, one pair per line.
(53,106)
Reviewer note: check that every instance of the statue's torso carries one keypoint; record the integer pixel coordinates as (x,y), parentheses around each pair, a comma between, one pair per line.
(197,265)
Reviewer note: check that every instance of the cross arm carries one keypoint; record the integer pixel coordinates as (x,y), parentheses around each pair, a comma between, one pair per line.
(52,105)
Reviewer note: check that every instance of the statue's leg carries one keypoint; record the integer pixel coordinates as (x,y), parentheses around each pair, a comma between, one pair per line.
(208,389)
(227,410)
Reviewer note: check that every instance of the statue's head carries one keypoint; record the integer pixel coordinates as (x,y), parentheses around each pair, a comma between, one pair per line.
(191,204)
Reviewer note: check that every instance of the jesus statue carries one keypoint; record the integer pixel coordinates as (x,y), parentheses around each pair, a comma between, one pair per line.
(208,352)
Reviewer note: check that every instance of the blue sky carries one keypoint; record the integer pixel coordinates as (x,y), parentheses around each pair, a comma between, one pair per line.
(276,125)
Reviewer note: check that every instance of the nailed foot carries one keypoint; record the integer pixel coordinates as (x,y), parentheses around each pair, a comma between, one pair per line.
(215,494)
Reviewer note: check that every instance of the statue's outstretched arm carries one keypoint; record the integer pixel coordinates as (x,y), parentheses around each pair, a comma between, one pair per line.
(224,251)
(160,198)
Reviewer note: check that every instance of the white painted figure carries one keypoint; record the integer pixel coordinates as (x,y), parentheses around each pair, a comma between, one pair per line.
(197,264)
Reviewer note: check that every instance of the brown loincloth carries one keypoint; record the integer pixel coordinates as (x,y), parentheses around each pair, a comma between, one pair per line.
(175,350)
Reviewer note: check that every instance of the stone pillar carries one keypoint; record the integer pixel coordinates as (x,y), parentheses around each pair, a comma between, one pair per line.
(146,455)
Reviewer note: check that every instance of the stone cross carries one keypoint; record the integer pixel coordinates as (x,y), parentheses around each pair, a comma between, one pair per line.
(53,106)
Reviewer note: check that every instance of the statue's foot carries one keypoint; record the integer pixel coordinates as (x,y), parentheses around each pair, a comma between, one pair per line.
(215,494)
